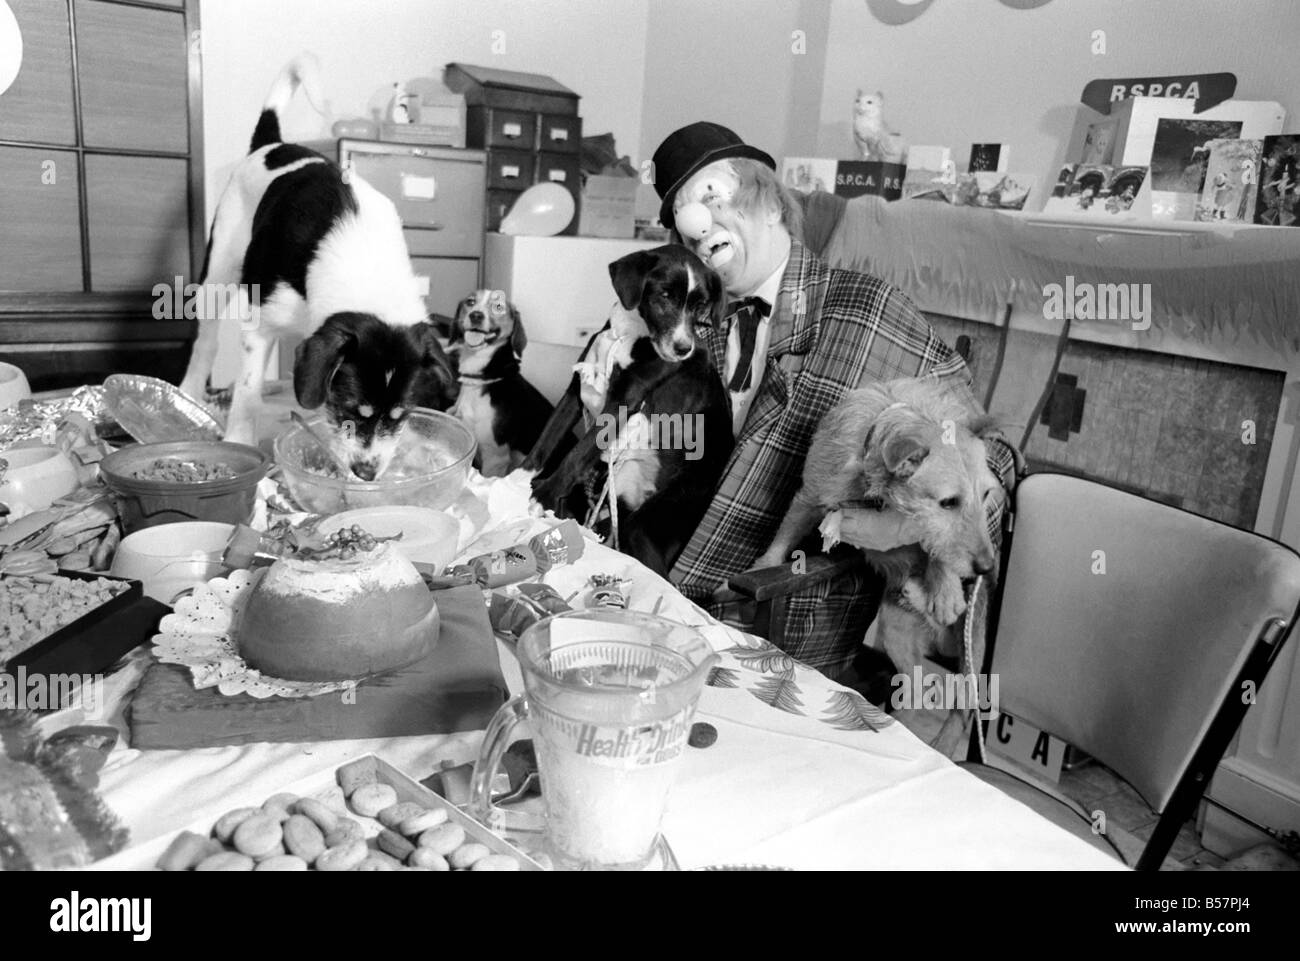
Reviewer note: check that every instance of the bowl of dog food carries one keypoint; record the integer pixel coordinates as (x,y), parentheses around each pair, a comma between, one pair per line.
(184,481)
(429,468)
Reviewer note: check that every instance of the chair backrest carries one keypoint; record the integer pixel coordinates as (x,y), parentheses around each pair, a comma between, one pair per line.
(1125,626)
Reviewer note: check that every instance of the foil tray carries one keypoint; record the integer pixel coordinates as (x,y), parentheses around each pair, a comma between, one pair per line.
(154,412)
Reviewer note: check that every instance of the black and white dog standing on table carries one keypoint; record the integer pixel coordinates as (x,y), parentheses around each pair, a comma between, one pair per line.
(324,252)
(505,412)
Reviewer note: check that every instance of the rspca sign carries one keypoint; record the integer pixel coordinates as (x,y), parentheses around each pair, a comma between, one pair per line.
(1207,89)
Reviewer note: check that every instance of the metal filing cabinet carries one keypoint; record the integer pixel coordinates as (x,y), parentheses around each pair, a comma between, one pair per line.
(439,194)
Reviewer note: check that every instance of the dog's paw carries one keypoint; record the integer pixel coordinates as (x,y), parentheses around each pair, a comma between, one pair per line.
(947,602)
(943,602)
(769,560)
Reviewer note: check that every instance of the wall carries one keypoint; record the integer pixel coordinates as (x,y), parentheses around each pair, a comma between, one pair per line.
(970,71)
(365,46)
(738,63)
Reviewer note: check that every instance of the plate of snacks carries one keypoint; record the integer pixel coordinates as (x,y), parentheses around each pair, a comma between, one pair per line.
(363,816)
(41,612)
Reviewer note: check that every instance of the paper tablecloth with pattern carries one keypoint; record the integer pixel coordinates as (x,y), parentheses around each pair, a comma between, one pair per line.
(804,773)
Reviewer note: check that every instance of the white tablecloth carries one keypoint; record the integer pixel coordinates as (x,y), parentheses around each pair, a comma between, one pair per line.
(797,777)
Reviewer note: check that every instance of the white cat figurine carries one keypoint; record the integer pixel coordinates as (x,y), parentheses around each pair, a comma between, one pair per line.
(874,139)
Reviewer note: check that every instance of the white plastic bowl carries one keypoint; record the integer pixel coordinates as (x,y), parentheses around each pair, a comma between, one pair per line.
(13,386)
(172,559)
(36,478)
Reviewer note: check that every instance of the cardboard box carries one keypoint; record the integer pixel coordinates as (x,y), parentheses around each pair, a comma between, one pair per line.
(608,207)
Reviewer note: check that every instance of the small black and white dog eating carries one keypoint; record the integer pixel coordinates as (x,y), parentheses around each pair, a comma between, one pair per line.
(319,253)
(653,404)
(505,412)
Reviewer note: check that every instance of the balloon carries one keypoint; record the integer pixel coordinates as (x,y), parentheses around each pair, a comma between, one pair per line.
(543,210)
(11,46)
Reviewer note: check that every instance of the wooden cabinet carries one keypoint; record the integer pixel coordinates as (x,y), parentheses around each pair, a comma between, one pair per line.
(38,107)
(530,128)
(40,235)
(101,174)
(132,68)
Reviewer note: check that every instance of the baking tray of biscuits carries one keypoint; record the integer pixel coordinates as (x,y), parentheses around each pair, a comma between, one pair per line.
(71,622)
(364,815)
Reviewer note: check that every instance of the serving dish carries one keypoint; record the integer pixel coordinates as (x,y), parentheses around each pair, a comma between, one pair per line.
(424,536)
(432,463)
(322,786)
(13,385)
(32,478)
(172,559)
(154,412)
(96,640)
(146,501)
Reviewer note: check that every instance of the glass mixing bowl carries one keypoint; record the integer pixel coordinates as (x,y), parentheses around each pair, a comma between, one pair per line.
(434,452)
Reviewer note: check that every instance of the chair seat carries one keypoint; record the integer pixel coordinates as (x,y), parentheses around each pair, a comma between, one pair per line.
(1055,809)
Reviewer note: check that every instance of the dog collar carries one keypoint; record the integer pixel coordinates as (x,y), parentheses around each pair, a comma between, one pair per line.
(474,379)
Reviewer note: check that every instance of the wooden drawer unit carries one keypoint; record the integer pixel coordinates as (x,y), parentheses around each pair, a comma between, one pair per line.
(510,129)
(511,169)
(499,203)
(563,169)
(560,133)
(560,168)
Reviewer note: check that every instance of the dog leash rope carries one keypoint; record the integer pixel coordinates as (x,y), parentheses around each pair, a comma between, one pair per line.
(610,491)
(970,664)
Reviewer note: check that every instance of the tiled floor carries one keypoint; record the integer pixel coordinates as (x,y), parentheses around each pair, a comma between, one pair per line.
(1129,821)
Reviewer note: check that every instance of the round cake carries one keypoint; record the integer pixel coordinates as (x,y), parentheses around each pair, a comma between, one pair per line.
(338,618)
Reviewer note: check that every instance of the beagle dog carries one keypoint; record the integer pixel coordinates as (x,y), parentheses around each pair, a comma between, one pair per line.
(505,412)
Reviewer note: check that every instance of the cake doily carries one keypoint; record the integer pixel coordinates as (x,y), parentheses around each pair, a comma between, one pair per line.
(199,634)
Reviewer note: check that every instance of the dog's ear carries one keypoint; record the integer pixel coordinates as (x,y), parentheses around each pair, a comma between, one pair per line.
(316,359)
(518,339)
(982,425)
(435,374)
(628,274)
(903,452)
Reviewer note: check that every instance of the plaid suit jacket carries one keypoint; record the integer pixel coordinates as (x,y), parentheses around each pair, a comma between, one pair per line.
(832,331)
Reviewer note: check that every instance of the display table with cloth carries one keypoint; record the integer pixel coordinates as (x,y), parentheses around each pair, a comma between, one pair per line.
(804,773)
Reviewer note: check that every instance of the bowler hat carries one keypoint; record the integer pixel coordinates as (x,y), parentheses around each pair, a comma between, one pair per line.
(685,151)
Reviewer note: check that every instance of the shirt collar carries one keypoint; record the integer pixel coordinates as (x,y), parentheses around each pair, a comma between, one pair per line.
(769,288)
